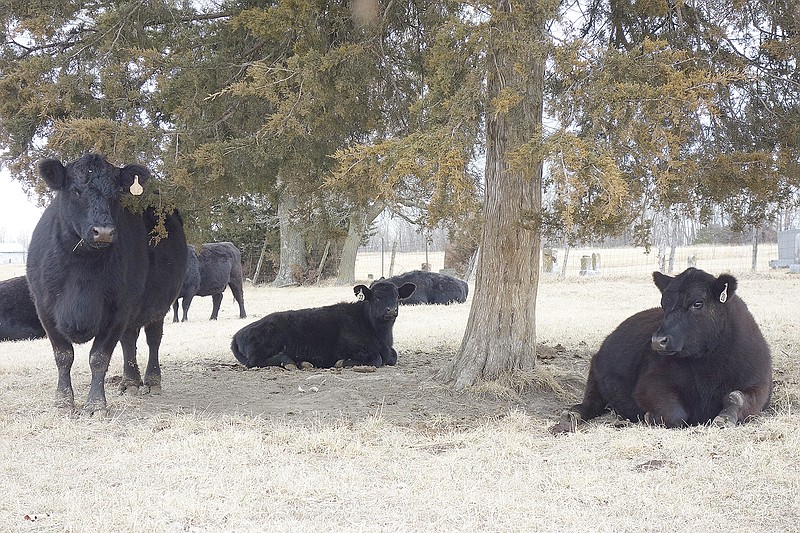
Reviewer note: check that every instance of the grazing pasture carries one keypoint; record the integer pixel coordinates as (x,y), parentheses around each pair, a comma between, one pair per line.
(229,449)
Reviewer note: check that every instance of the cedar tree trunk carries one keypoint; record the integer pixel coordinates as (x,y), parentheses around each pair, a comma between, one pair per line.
(357,226)
(500,335)
(293,246)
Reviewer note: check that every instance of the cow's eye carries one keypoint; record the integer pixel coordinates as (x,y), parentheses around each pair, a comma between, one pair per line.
(697,305)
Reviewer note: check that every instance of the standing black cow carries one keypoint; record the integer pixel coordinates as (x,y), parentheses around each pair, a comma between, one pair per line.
(18,318)
(219,264)
(96,271)
(432,287)
(699,357)
(356,333)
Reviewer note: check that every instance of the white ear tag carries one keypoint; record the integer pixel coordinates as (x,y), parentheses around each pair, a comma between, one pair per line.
(360,295)
(723,296)
(136,189)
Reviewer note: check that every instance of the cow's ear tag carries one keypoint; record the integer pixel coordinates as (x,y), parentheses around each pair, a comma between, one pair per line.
(723,296)
(360,295)
(136,189)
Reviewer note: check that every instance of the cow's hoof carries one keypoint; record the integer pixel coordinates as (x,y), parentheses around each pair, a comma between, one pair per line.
(567,424)
(129,387)
(724,421)
(64,401)
(94,410)
(339,364)
(153,390)
(305,365)
(289,366)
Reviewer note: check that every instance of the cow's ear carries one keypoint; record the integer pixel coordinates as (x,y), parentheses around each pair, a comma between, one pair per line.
(362,291)
(662,281)
(53,173)
(724,287)
(132,178)
(406,290)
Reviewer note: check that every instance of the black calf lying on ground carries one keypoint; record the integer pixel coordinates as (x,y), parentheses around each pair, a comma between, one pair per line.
(357,333)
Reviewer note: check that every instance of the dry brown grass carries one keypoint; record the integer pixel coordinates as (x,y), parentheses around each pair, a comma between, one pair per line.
(221,451)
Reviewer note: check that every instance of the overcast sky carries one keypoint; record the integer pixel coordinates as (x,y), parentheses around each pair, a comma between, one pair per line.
(18,214)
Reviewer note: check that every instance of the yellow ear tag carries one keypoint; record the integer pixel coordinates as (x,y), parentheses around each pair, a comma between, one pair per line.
(136,189)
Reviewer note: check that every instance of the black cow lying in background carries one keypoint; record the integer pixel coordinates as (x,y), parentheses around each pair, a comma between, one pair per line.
(357,333)
(432,287)
(218,265)
(95,272)
(18,319)
(698,358)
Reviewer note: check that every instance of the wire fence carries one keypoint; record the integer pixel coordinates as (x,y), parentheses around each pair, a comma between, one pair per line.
(596,261)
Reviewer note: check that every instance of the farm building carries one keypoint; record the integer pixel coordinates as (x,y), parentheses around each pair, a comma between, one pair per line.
(12,253)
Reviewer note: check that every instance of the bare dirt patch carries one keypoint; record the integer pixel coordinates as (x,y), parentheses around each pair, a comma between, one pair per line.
(408,394)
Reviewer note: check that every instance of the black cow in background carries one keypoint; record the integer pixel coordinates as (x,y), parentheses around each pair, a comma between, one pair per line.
(218,265)
(432,287)
(698,358)
(356,333)
(18,318)
(96,272)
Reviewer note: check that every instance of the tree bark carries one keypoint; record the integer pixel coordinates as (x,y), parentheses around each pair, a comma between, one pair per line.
(500,335)
(358,223)
(293,249)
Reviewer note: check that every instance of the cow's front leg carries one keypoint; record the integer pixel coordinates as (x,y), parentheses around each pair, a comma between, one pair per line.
(389,357)
(64,356)
(738,406)
(96,403)
(667,415)
(731,406)
(99,359)
(131,377)
(662,406)
(153,331)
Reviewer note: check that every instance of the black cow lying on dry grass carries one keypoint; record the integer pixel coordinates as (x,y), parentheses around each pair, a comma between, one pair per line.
(432,287)
(346,334)
(18,319)
(698,358)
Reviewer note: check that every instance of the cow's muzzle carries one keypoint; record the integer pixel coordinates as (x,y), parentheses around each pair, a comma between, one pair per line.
(661,344)
(102,236)
(390,314)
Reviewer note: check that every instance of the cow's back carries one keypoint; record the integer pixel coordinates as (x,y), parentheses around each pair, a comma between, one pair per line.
(431,287)
(424,292)
(219,261)
(313,335)
(447,289)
